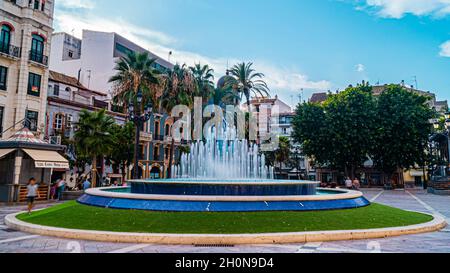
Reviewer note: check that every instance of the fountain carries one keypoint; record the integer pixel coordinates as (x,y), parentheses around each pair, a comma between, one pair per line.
(223,174)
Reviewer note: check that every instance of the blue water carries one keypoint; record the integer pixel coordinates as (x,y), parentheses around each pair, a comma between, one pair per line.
(128,190)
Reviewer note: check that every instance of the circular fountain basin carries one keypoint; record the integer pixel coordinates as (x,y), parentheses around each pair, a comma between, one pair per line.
(224,188)
(223,196)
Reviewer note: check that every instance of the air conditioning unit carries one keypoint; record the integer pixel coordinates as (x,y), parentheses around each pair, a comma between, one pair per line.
(55,140)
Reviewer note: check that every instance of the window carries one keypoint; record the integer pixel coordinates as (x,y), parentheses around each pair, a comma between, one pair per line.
(156,153)
(167,131)
(56,90)
(3,77)
(1,120)
(58,121)
(70,54)
(5,39)
(34,84)
(32,120)
(123,49)
(69,121)
(37,49)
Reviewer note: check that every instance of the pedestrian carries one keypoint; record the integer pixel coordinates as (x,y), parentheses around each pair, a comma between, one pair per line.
(61,187)
(348,183)
(53,191)
(356,184)
(86,184)
(32,193)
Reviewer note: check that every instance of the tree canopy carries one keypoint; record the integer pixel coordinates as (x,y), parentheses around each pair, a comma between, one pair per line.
(354,125)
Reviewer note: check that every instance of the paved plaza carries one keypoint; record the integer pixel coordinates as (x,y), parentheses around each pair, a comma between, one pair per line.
(438,242)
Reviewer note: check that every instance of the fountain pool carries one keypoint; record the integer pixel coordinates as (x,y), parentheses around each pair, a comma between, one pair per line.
(223,175)
(223,196)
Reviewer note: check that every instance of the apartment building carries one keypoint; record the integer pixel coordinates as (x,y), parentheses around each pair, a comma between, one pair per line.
(26,29)
(91,60)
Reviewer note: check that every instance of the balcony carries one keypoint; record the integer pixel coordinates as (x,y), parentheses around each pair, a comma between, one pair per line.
(159,138)
(38,58)
(145,137)
(10,50)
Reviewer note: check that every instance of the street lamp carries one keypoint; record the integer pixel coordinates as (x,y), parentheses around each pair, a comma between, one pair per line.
(138,119)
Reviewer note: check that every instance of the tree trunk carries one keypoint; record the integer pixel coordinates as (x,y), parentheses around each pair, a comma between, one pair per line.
(247,134)
(136,152)
(94,172)
(172,153)
(123,172)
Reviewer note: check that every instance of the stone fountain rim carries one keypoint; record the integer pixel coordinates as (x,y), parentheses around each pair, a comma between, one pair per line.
(232,182)
(340,194)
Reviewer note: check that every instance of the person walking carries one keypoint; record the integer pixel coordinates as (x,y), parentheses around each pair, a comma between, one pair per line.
(61,188)
(348,183)
(86,184)
(356,184)
(32,193)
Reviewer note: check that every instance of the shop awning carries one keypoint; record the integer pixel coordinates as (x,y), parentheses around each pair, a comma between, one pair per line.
(415,173)
(5,152)
(47,159)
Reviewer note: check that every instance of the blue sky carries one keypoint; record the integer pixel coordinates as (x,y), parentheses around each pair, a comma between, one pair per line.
(314,45)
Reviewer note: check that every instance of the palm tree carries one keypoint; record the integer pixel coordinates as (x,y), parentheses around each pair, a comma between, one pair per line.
(224,97)
(204,81)
(247,82)
(93,137)
(136,72)
(179,90)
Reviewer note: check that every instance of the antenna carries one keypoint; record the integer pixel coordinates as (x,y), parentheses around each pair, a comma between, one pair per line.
(170,55)
(89,77)
(415,81)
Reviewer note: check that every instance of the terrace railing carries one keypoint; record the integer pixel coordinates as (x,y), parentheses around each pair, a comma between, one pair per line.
(10,50)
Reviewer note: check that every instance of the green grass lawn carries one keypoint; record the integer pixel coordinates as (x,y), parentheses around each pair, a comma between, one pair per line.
(76,216)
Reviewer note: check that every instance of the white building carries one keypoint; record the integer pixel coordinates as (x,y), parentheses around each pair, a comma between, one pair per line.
(92,61)
(24,50)
(93,58)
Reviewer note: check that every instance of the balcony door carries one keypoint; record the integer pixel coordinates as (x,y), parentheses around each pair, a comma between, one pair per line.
(37,48)
(5,38)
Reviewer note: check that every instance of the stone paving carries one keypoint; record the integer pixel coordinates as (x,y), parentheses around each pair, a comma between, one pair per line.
(438,242)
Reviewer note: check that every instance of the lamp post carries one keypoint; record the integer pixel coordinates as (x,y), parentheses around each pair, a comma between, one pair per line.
(138,120)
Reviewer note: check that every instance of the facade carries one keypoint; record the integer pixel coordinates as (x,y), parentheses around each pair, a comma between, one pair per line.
(23,156)
(26,26)
(266,111)
(276,117)
(91,60)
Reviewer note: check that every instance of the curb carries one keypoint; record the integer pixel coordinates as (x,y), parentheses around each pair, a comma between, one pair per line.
(232,239)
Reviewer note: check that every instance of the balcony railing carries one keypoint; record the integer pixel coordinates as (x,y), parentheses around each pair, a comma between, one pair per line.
(10,50)
(38,58)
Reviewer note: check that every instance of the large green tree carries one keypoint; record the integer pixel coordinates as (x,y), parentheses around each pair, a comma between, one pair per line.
(339,132)
(402,130)
(93,137)
(350,117)
(122,150)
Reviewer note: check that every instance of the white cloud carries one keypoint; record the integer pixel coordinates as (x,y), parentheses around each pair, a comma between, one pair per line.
(282,81)
(445,49)
(360,68)
(78,4)
(399,8)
